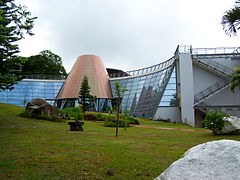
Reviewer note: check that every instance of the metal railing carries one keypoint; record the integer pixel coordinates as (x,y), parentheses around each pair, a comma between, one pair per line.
(183,49)
(207,51)
(40,76)
(210,90)
(219,50)
(225,70)
(138,72)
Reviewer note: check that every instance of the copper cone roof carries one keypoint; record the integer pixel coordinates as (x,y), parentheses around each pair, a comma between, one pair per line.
(98,80)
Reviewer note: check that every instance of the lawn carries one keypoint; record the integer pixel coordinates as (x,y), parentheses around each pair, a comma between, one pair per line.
(37,149)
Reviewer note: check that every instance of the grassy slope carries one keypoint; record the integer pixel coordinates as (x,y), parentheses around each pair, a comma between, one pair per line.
(38,149)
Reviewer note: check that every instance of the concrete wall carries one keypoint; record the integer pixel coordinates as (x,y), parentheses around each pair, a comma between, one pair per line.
(172,113)
(235,62)
(224,97)
(223,61)
(186,88)
(203,78)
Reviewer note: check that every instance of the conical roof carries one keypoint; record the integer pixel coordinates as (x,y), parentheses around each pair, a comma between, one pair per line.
(98,80)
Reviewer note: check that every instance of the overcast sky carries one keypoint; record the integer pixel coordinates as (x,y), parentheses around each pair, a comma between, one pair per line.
(126,34)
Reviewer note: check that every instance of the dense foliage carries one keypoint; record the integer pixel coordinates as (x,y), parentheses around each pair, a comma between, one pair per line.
(235,80)
(110,119)
(15,21)
(97,116)
(124,121)
(72,113)
(45,63)
(231,20)
(214,121)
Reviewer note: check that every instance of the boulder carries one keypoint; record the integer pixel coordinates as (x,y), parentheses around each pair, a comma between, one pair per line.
(211,160)
(40,107)
(231,125)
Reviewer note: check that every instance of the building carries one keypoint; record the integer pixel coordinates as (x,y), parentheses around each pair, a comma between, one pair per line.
(182,89)
(92,67)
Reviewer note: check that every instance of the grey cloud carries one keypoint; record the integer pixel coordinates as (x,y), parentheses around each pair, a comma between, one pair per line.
(126,34)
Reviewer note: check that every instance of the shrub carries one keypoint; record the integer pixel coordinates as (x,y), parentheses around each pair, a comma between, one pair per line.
(110,119)
(98,116)
(214,121)
(164,120)
(124,121)
(72,113)
(89,115)
(113,123)
(131,119)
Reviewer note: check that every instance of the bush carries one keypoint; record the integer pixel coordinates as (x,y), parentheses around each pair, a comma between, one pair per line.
(124,121)
(45,117)
(113,123)
(98,116)
(164,120)
(109,119)
(72,113)
(214,121)
(131,119)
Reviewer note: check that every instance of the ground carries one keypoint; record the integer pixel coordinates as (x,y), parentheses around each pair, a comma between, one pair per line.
(37,149)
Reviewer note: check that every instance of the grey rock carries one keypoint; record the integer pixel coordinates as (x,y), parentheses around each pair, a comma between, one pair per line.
(231,125)
(208,161)
(40,107)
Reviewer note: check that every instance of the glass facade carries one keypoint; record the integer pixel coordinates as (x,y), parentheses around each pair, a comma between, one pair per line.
(169,95)
(26,90)
(148,88)
(147,91)
(99,105)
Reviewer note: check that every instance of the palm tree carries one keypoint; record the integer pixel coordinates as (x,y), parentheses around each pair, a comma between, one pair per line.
(235,80)
(231,20)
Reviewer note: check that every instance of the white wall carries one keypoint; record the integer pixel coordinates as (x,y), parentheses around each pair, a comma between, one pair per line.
(203,78)
(224,97)
(186,88)
(235,62)
(172,113)
(223,61)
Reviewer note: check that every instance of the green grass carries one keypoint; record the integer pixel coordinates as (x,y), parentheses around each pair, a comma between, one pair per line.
(37,149)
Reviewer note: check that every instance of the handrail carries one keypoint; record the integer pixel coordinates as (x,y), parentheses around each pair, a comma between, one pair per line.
(41,76)
(210,90)
(219,50)
(225,70)
(154,68)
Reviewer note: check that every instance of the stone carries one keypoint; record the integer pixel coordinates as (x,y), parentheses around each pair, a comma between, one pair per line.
(211,160)
(231,125)
(40,107)
(76,126)
(110,172)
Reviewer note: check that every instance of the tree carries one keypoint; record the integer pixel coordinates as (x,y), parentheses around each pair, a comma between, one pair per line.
(45,63)
(174,100)
(118,92)
(231,20)
(15,21)
(84,94)
(235,80)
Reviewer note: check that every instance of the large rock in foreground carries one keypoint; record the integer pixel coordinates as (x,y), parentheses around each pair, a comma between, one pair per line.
(40,107)
(231,125)
(211,160)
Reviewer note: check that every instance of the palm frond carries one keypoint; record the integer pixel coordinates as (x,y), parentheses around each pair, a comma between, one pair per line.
(231,21)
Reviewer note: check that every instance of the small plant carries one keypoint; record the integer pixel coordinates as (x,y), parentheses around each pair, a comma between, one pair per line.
(214,121)
(97,116)
(72,113)
(126,112)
